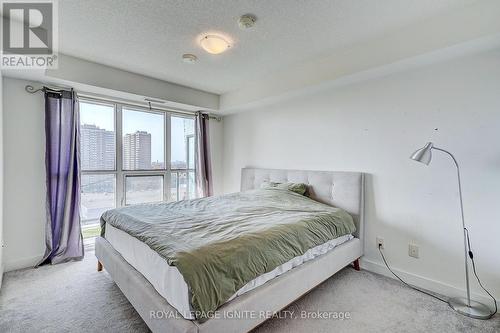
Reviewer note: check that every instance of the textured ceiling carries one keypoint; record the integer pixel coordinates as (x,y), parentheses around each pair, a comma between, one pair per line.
(150,36)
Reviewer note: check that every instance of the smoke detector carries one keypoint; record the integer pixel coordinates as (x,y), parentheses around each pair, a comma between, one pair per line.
(247,21)
(189,58)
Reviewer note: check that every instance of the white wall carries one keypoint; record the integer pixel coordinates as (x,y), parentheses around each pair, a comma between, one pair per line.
(373,127)
(24,170)
(216,149)
(1,182)
(24,151)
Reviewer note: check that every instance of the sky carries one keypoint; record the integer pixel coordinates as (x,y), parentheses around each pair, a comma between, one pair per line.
(103,117)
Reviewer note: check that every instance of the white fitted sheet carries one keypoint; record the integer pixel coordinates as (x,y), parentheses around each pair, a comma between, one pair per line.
(169,282)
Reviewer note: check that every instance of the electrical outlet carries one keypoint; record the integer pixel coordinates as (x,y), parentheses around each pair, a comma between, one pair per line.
(413,250)
(380,242)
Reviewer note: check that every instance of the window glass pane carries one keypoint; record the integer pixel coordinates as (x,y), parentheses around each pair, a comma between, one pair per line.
(143,140)
(181,130)
(97,136)
(97,196)
(91,231)
(183,185)
(191,185)
(191,155)
(173,186)
(142,189)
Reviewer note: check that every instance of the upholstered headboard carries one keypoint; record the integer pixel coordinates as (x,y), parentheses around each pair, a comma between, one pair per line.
(340,189)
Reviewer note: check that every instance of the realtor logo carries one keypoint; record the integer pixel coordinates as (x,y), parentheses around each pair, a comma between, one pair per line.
(29,34)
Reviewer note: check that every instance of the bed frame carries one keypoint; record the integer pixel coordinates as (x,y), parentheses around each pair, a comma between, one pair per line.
(242,314)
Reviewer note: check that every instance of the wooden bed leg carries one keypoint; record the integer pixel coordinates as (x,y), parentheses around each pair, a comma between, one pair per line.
(99,266)
(356,264)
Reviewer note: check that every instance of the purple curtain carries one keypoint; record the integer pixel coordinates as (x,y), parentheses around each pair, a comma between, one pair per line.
(63,233)
(203,162)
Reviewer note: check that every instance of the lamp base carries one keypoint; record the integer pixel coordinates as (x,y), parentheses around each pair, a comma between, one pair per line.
(475,310)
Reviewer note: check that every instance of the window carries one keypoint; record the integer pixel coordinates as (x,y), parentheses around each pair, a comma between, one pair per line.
(132,155)
(182,146)
(97,136)
(98,163)
(143,140)
(142,189)
(98,195)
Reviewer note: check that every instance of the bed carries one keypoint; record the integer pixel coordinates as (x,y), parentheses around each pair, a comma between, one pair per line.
(141,273)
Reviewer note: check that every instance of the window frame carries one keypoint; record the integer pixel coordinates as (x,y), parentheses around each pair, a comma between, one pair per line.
(121,174)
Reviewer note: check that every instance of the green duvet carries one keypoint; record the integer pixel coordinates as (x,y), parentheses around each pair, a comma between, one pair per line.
(219,244)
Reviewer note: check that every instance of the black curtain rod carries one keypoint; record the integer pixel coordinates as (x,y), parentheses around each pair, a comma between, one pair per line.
(59,90)
(30,89)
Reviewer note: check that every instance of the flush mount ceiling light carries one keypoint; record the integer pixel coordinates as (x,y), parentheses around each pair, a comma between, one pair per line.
(189,58)
(214,44)
(247,21)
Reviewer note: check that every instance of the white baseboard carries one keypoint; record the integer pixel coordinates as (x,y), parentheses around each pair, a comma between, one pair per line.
(423,282)
(21,263)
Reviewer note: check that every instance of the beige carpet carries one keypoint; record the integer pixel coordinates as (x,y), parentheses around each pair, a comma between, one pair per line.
(73,297)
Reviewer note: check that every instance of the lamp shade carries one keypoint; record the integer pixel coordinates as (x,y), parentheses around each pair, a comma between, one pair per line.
(423,155)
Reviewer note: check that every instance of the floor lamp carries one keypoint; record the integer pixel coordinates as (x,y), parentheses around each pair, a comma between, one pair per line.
(465,306)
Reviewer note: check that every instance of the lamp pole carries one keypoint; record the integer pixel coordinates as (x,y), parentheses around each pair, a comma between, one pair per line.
(463,222)
(465,306)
